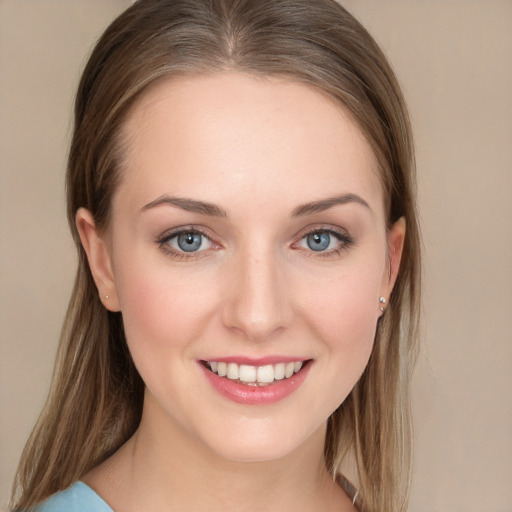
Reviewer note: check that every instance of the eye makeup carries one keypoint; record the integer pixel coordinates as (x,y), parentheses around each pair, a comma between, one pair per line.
(193,242)
(186,242)
(323,241)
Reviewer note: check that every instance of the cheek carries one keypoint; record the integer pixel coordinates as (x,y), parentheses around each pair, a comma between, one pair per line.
(349,330)
(344,314)
(163,309)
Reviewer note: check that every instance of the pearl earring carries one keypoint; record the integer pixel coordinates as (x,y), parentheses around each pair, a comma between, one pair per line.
(106,297)
(382,301)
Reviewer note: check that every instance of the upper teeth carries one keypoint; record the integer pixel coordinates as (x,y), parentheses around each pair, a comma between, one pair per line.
(255,374)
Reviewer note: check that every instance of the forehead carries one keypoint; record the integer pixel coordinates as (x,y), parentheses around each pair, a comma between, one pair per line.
(218,136)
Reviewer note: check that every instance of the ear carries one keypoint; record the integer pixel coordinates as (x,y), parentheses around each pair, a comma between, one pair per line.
(395,238)
(99,258)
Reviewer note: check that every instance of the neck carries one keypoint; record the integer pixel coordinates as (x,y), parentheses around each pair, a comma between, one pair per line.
(163,467)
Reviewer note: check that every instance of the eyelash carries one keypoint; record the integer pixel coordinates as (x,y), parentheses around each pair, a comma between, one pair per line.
(163,242)
(346,241)
(342,236)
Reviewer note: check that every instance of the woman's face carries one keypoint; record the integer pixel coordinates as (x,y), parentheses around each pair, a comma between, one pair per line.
(248,231)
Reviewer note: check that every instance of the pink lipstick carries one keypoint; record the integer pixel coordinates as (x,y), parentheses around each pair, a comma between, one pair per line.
(256,381)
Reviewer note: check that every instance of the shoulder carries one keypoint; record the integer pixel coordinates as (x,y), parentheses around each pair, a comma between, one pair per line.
(77,498)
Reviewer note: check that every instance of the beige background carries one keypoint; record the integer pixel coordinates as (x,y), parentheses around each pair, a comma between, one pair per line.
(454,59)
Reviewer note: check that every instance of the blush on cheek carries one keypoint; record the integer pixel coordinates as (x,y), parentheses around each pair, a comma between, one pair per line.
(164,311)
(347,323)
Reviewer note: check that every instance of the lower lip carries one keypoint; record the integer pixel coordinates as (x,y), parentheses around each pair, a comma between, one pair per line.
(256,395)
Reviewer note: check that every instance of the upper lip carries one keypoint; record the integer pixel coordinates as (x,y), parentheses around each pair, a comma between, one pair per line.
(258,361)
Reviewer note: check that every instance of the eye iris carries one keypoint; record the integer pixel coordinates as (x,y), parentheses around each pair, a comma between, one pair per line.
(318,241)
(189,242)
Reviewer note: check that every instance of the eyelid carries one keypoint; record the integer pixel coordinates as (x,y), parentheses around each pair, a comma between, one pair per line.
(163,239)
(341,234)
(326,228)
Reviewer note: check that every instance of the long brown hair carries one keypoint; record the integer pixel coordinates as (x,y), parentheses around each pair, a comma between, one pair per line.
(95,401)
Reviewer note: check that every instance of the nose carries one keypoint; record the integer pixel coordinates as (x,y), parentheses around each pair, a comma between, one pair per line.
(257,302)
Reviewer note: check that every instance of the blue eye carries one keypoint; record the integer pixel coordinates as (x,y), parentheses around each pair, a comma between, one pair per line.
(189,242)
(325,242)
(185,242)
(318,241)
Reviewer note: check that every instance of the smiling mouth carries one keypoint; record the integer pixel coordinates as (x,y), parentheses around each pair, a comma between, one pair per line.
(255,375)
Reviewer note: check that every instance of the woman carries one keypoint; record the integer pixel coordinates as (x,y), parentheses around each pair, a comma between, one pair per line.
(244,317)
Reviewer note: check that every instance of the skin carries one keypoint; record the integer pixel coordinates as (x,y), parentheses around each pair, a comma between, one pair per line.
(257,149)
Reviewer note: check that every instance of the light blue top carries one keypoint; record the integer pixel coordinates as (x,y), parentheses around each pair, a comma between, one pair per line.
(81,498)
(77,498)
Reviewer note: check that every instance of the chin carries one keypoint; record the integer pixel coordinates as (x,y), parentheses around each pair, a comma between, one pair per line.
(264,442)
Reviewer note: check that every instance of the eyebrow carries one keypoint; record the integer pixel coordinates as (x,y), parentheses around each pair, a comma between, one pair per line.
(189,205)
(325,204)
(205,208)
